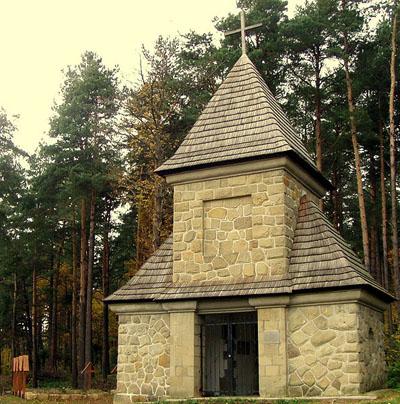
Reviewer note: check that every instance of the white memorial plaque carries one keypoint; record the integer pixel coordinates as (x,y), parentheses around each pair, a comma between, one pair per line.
(271,337)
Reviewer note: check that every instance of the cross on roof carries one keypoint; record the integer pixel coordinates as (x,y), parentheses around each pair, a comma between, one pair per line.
(243,30)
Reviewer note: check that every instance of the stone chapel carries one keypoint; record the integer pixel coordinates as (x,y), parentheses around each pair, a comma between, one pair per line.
(255,293)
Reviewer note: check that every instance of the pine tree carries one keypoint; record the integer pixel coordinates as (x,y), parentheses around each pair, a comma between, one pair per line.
(84,127)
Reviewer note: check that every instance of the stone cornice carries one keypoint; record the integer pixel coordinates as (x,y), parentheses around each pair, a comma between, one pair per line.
(137,308)
(249,304)
(269,301)
(250,167)
(223,306)
(339,296)
(180,307)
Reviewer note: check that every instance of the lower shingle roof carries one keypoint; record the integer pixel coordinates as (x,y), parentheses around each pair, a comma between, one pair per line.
(151,279)
(320,259)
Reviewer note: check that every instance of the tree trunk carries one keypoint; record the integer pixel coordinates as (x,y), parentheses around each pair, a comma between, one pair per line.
(353,127)
(51,308)
(318,123)
(374,232)
(82,293)
(139,243)
(88,336)
(336,211)
(157,214)
(379,274)
(14,319)
(34,331)
(158,194)
(393,190)
(39,341)
(105,362)
(28,317)
(74,369)
(374,235)
(386,277)
(53,324)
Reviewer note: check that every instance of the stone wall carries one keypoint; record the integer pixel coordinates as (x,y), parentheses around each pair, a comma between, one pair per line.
(234,227)
(372,349)
(327,354)
(228,235)
(185,355)
(272,360)
(143,357)
(331,350)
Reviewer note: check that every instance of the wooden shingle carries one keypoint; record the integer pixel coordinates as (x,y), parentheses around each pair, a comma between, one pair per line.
(151,279)
(320,257)
(241,121)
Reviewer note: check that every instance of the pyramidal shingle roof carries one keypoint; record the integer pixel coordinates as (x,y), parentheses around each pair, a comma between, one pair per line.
(320,258)
(241,121)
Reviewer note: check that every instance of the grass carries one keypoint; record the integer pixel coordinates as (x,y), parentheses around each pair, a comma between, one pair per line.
(46,386)
(385,397)
(17,400)
(53,384)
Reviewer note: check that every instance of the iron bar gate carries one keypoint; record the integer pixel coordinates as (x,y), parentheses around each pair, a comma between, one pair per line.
(229,354)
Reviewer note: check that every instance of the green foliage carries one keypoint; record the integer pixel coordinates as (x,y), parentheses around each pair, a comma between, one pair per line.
(84,127)
(12,190)
(124,249)
(394,375)
(36,209)
(393,356)
(59,385)
(7,130)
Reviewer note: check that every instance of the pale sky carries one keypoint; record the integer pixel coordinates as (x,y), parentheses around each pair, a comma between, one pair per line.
(39,38)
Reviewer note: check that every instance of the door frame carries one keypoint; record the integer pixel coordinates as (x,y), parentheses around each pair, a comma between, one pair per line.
(228,323)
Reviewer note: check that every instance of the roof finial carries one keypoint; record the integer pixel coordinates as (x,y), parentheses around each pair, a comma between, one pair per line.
(242,30)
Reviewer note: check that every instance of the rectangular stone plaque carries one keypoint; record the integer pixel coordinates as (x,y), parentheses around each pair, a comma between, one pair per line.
(271,337)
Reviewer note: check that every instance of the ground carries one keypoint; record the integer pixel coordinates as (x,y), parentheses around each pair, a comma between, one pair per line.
(384,397)
(7,399)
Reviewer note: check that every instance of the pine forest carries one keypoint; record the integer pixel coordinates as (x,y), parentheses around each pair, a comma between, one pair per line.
(83,213)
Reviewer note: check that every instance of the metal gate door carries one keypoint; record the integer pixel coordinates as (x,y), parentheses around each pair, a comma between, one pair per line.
(229,350)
